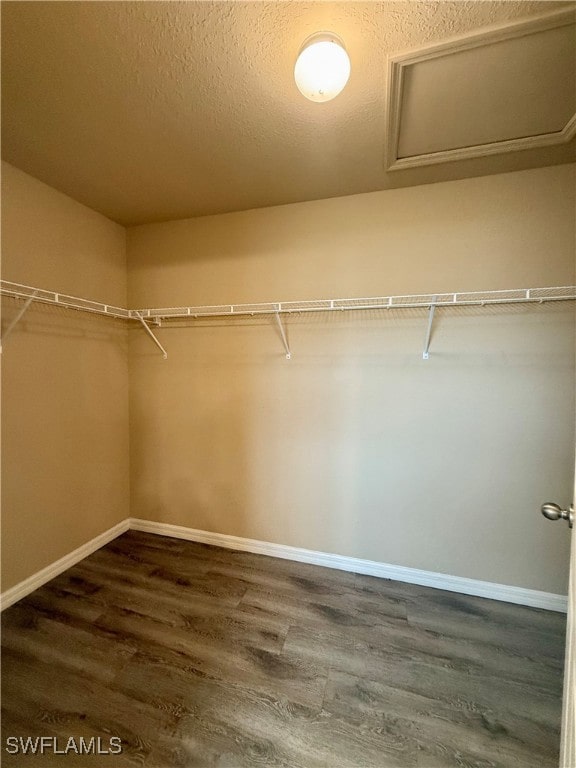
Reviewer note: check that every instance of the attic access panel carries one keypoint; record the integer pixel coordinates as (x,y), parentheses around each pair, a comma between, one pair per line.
(499,91)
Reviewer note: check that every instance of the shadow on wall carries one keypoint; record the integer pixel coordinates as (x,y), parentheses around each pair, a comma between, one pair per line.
(53,321)
(359,447)
(65,471)
(188,452)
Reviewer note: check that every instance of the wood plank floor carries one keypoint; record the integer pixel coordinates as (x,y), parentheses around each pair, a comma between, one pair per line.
(200,656)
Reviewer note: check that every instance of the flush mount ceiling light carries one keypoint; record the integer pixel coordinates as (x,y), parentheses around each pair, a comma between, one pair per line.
(322,67)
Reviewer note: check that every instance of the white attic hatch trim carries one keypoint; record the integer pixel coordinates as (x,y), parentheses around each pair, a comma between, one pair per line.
(400,64)
(147,317)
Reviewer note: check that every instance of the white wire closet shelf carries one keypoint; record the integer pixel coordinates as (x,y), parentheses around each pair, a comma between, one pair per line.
(562,293)
(156,315)
(17,290)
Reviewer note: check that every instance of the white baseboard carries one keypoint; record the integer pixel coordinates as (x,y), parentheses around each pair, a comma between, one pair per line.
(27,586)
(502,592)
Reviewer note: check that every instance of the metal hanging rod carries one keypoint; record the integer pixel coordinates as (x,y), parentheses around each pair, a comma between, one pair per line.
(20,291)
(30,294)
(470,298)
(429,301)
(473,298)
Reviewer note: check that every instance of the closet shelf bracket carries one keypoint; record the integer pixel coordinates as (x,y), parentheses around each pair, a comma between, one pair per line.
(17,319)
(283,335)
(426,353)
(152,336)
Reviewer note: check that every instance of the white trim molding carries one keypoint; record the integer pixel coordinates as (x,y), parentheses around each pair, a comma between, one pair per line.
(502,592)
(398,63)
(11,596)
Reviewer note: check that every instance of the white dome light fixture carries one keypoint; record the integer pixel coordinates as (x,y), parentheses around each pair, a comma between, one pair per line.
(322,67)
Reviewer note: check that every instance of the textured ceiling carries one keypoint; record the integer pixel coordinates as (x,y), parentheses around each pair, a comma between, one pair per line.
(150,111)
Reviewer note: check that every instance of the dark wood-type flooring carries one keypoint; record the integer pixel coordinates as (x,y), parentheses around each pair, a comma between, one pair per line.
(200,656)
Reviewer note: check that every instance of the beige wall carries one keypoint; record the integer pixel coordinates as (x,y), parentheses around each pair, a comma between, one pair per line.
(65,451)
(356,445)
